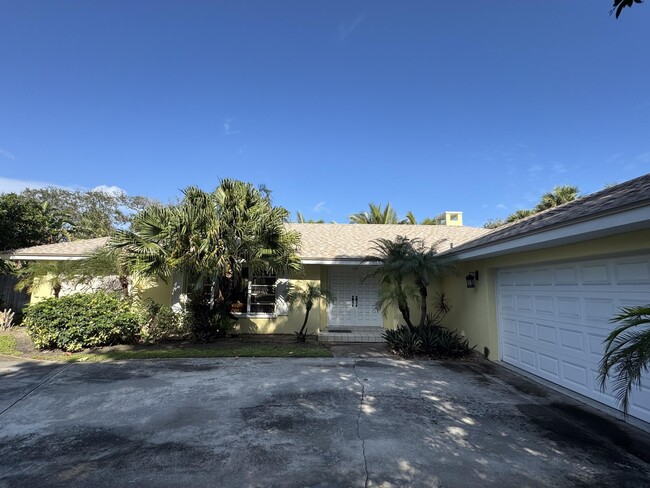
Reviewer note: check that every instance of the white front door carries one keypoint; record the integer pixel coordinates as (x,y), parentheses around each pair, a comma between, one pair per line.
(553,319)
(354,298)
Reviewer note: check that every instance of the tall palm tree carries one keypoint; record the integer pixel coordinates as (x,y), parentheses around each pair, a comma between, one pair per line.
(559,196)
(307,296)
(376,215)
(519,214)
(212,237)
(627,353)
(411,220)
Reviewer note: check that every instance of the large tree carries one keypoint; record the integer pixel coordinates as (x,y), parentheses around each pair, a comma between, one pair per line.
(88,214)
(25,222)
(212,238)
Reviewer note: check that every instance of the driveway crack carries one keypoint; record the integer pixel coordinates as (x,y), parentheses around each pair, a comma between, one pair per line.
(46,380)
(363,442)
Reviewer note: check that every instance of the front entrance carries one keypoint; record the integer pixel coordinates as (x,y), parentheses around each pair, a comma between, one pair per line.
(354,298)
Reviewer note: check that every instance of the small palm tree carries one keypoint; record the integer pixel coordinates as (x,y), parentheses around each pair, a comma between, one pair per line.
(376,215)
(308,297)
(392,257)
(106,262)
(52,273)
(627,353)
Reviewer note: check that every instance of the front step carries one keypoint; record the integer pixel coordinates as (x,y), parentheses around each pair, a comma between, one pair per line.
(351,334)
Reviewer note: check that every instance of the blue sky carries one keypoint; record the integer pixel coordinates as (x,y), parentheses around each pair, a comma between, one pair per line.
(473,106)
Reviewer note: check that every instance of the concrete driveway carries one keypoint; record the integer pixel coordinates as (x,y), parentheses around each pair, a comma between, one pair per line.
(303,422)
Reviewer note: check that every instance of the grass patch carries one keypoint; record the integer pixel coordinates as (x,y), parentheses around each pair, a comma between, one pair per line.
(8,346)
(236,350)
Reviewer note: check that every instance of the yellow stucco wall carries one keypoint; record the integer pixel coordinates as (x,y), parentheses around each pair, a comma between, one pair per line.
(474,310)
(41,290)
(154,288)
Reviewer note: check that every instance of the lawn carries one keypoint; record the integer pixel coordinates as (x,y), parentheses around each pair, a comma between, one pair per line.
(16,343)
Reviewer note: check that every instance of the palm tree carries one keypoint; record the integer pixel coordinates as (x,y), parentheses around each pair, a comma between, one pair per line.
(559,196)
(519,214)
(627,353)
(376,215)
(212,238)
(105,262)
(300,218)
(392,257)
(51,273)
(308,296)
(411,220)
(424,264)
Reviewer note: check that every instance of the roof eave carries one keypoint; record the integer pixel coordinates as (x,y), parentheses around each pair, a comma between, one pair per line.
(603,225)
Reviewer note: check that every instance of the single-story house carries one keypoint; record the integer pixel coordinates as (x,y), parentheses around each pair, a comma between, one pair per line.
(545,288)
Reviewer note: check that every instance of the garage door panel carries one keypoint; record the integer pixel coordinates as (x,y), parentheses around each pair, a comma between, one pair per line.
(524,303)
(572,339)
(526,329)
(553,320)
(566,275)
(568,307)
(634,272)
(528,357)
(544,305)
(546,333)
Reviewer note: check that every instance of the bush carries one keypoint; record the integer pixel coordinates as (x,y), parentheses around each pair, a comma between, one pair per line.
(160,322)
(431,341)
(81,320)
(205,322)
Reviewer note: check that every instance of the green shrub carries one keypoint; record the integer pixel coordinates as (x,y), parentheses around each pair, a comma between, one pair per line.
(205,322)
(160,322)
(81,320)
(431,341)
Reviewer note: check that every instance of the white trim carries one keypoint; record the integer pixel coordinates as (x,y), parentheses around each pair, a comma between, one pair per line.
(339,262)
(612,224)
(246,315)
(41,257)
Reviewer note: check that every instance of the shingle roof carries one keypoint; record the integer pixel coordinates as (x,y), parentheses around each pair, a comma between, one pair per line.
(627,195)
(78,248)
(354,241)
(318,241)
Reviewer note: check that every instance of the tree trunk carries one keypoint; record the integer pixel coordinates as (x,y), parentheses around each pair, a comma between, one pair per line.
(304,324)
(57,290)
(423,304)
(124,283)
(406,314)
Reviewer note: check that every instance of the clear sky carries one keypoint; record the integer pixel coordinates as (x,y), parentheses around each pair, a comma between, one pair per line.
(478,106)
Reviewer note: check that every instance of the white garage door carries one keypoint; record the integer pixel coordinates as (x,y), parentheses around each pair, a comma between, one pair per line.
(553,320)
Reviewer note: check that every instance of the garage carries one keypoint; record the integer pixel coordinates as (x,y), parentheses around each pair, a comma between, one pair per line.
(553,318)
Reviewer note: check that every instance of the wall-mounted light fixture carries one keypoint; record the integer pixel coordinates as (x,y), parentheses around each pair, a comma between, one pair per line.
(471,279)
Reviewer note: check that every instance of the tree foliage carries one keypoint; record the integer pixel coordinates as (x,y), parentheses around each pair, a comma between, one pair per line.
(377,214)
(619,5)
(308,296)
(212,238)
(559,196)
(300,218)
(26,222)
(405,270)
(627,353)
(89,214)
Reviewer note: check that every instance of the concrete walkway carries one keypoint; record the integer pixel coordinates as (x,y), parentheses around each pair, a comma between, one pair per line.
(342,422)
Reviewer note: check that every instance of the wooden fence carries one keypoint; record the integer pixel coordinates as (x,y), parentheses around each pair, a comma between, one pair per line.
(9,297)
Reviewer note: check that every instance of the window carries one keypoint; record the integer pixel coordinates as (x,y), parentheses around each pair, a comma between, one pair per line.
(261,294)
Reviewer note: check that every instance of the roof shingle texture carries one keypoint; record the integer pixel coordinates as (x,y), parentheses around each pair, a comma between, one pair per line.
(354,241)
(82,247)
(630,194)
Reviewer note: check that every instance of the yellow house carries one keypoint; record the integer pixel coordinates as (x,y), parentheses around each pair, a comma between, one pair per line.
(537,294)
